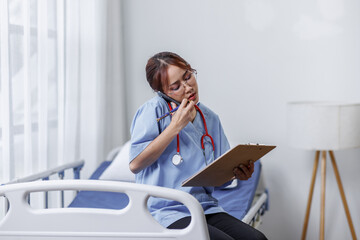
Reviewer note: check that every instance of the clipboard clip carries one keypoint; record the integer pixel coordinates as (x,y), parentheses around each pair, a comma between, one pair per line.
(256,144)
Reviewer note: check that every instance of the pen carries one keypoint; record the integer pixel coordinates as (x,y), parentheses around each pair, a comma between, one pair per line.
(167,114)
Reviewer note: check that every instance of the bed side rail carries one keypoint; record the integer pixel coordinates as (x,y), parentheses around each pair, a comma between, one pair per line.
(254,215)
(44,176)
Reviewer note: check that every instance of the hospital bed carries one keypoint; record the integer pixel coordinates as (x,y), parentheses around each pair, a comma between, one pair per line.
(109,206)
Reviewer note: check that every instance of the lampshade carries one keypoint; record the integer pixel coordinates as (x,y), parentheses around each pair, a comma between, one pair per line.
(323,125)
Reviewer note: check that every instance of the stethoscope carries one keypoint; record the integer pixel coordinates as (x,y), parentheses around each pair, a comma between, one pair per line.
(177,159)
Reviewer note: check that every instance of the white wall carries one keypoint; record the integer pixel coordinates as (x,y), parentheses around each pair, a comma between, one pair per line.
(252,58)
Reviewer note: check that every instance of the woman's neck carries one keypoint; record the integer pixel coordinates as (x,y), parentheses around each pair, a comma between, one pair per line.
(193,114)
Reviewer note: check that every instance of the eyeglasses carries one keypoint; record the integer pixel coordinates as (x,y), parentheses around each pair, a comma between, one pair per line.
(189,78)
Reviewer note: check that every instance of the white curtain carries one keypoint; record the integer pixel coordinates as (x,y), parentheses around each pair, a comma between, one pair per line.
(61,83)
(103,123)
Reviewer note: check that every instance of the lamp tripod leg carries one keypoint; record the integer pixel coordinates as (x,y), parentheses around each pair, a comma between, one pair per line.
(308,207)
(323,186)
(342,194)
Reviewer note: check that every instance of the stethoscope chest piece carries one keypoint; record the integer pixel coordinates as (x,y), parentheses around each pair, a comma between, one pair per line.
(177,159)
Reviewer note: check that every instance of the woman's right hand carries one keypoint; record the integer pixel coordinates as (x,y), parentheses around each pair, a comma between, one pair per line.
(183,115)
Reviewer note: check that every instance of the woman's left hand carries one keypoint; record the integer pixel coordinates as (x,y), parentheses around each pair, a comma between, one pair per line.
(243,172)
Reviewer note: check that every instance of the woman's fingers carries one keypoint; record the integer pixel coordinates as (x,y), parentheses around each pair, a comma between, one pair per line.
(190,105)
(251,166)
(243,172)
(181,106)
(240,173)
(183,115)
(185,107)
(183,103)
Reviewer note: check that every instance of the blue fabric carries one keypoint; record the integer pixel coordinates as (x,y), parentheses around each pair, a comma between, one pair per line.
(237,201)
(163,172)
(97,199)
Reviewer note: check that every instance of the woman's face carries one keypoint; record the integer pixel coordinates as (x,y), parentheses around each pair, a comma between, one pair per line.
(182,84)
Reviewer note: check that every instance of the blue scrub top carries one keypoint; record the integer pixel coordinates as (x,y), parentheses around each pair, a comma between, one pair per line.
(163,172)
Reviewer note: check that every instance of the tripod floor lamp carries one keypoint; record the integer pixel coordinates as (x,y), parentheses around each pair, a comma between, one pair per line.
(324,127)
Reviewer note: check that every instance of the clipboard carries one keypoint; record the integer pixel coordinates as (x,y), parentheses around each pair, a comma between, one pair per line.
(220,171)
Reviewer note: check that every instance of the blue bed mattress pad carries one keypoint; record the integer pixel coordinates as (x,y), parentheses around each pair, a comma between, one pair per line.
(98,199)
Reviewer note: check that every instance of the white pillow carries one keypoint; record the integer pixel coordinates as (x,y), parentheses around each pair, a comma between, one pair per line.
(119,168)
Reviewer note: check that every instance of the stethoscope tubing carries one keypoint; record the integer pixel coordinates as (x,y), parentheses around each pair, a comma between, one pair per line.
(202,137)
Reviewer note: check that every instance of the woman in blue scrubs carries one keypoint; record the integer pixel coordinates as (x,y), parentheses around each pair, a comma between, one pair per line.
(167,152)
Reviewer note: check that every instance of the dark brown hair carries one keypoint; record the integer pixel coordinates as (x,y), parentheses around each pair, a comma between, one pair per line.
(156,69)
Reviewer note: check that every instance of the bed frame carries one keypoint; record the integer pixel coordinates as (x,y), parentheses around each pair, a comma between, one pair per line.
(133,222)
